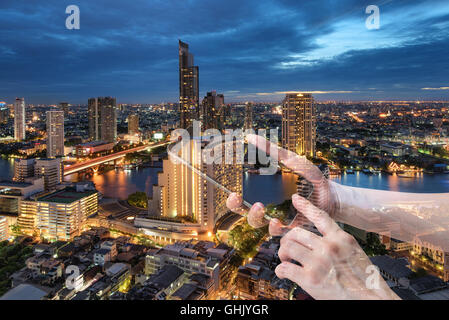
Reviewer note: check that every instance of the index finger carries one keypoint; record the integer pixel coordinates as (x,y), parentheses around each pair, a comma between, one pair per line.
(322,221)
(299,164)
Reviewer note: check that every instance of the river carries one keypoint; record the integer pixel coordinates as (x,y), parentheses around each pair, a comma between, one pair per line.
(266,189)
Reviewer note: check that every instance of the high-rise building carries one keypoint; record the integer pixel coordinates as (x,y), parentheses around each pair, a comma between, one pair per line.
(188,87)
(299,124)
(248,124)
(11,109)
(133,124)
(4,229)
(212,112)
(55,134)
(23,168)
(183,193)
(102,119)
(4,115)
(19,119)
(60,215)
(51,170)
(227,115)
(64,106)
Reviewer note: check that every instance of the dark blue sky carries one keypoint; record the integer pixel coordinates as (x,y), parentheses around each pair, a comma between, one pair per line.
(247,49)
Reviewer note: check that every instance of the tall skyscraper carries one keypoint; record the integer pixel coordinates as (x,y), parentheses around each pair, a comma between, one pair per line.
(183,193)
(102,119)
(55,134)
(188,87)
(248,124)
(299,124)
(133,124)
(212,112)
(19,119)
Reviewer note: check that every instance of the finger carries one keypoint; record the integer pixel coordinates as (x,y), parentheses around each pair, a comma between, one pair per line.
(304,237)
(235,204)
(234,201)
(291,160)
(276,228)
(256,215)
(293,251)
(293,272)
(318,217)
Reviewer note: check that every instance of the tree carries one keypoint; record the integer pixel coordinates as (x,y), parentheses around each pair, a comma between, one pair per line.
(245,239)
(138,199)
(15,228)
(373,246)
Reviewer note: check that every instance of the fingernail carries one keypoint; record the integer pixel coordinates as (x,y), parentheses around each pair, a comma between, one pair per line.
(258,206)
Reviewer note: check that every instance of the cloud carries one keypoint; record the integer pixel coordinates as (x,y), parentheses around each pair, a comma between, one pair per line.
(439,88)
(241,47)
(293,92)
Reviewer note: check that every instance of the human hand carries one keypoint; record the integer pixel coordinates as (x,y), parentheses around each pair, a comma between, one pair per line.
(333,266)
(322,196)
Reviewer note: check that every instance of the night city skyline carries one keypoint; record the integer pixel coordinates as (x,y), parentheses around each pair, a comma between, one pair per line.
(224,151)
(248,51)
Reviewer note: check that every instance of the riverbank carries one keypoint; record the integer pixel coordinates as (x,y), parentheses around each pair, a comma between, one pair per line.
(276,188)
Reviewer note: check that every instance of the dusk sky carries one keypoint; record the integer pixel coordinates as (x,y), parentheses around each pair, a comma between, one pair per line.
(246,49)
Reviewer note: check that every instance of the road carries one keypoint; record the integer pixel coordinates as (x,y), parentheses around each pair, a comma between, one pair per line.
(110,157)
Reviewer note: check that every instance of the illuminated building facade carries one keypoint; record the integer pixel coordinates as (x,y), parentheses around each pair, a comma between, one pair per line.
(51,170)
(188,87)
(4,115)
(183,193)
(23,168)
(93,147)
(212,111)
(55,134)
(19,119)
(299,124)
(27,217)
(431,246)
(11,193)
(102,114)
(133,124)
(4,229)
(59,215)
(248,116)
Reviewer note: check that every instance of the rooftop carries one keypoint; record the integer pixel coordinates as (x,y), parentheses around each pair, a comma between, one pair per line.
(166,276)
(24,292)
(186,292)
(13,184)
(66,196)
(427,284)
(395,267)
